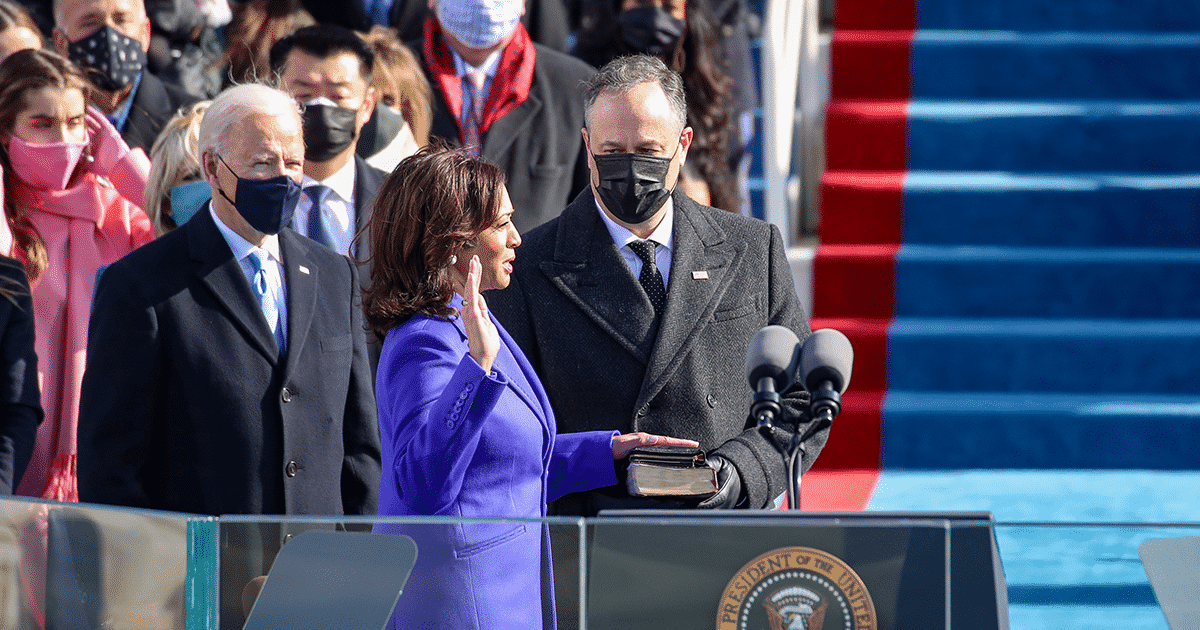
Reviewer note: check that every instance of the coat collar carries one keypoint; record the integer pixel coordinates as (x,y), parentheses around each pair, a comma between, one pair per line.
(222,274)
(587,268)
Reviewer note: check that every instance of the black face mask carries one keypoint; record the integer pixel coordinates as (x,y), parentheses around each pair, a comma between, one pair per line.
(328,130)
(633,186)
(109,59)
(650,30)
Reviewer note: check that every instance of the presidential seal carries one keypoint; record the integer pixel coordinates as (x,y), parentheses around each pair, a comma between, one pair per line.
(796,588)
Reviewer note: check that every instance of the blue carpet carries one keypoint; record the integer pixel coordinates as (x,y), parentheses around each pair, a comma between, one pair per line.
(1076,283)
(1054,65)
(1129,496)
(1041,15)
(1060,573)
(1042,364)
(949,430)
(1087,136)
(1054,209)
(1044,355)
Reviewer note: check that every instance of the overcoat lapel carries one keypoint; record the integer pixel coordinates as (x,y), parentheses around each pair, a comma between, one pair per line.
(302,281)
(589,271)
(509,127)
(223,276)
(700,264)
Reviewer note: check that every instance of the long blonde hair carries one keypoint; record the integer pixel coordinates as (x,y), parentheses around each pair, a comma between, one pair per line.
(400,82)
(174,157)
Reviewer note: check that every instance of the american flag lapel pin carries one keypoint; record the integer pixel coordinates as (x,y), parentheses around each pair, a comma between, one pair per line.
(700,275)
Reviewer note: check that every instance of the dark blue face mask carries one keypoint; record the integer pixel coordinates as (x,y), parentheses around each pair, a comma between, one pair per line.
(266,204)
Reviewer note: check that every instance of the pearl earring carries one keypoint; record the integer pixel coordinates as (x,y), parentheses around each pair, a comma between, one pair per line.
(453,258)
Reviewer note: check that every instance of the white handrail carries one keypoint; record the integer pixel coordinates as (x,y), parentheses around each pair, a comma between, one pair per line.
(790,51)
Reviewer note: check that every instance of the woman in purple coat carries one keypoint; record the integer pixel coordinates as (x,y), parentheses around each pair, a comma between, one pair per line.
(467,429)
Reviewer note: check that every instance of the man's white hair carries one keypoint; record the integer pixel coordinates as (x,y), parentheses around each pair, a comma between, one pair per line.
(238,102)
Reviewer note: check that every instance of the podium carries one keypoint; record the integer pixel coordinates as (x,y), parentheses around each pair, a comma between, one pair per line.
(116,567)
(738,570)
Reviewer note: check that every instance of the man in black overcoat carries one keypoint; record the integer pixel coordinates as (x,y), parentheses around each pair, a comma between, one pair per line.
(227,369)
(636,306)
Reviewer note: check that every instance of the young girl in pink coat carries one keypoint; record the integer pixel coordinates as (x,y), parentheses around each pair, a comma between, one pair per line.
(72,199)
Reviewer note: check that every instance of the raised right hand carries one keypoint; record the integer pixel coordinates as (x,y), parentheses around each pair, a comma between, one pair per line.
(482,336)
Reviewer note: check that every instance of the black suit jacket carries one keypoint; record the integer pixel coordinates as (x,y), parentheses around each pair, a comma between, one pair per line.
(588,328)
(153,105)
(19,393)
(189,405)
(538,144)
(367,181)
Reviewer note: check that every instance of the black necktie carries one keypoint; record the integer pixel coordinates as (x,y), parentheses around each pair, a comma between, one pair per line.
(651,280)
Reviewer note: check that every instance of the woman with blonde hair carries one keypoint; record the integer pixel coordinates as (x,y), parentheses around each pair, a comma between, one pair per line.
(17,30)
(72,196)
(402,118)
(176,189)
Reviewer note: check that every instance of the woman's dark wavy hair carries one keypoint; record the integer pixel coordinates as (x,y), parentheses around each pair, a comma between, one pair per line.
(436,202)
(708,87)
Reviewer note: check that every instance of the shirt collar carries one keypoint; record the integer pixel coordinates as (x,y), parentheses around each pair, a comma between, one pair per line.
(341,182)
(490,65)
(240,246)
(663,235)
(121,115)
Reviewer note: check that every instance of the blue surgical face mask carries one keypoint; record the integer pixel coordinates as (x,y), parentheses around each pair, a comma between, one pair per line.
(267,204)
(479,23)
(188,199)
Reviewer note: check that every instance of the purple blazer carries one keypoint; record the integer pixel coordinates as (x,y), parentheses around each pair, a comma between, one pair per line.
(463,443)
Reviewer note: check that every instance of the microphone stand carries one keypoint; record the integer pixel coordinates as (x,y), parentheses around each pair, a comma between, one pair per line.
(824,406)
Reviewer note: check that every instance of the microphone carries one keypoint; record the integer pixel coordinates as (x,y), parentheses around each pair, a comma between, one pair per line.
(826,359)
(770,367)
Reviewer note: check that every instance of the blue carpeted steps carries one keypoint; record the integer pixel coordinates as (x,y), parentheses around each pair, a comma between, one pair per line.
(1059,136)
(1045,282)
(1081,209)
(1080,16)
(1051,254)
(1042,66)
(1044,356)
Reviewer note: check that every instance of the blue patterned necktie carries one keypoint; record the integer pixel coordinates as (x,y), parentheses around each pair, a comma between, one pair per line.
(473,115)
(318,225)
(266,297)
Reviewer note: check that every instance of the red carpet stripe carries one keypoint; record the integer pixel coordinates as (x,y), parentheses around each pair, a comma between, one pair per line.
(869,207)
(862,219)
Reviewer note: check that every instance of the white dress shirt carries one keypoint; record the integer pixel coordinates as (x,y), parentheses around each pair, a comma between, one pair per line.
(663,236)
(241,249)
